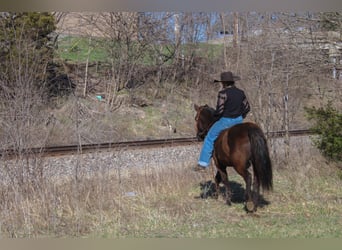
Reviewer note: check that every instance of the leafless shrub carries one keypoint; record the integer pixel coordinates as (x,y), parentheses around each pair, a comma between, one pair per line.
(24,122)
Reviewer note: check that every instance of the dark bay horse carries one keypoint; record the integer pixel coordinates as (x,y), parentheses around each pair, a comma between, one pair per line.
(240,147)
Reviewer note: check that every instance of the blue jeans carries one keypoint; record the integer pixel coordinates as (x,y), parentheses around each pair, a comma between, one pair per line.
(213,133)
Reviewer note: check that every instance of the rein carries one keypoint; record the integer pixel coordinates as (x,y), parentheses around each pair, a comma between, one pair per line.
(205,132)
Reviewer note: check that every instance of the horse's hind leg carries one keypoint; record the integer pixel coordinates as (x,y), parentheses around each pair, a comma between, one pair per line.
(246,175)
(250,205)
(256,193)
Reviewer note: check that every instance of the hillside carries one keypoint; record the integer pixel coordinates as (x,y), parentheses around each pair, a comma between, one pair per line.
(113,86)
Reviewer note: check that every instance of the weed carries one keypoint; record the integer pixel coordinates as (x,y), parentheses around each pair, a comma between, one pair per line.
(166,203)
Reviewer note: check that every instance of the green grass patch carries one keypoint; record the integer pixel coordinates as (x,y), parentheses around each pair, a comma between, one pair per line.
(78,49)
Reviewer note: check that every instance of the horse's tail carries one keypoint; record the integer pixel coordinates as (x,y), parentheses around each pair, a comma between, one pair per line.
(261,161)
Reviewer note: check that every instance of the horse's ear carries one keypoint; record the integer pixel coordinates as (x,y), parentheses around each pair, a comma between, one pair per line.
(196,107)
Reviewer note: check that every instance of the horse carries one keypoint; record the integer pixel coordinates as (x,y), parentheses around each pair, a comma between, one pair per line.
(239,146)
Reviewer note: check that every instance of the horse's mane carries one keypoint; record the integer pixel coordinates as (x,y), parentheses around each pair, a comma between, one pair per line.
(210,109)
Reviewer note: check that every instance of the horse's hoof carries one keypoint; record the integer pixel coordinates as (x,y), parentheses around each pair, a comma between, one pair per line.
(250,206)
(228,202)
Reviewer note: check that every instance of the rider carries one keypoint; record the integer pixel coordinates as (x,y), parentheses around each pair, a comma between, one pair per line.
(232,107)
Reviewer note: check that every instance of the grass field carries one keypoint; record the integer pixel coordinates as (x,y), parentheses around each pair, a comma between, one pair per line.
(151,203)
(306,201)
(79,49)
(299,207)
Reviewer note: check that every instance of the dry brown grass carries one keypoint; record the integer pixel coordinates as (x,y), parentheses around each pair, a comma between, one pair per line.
(155,202)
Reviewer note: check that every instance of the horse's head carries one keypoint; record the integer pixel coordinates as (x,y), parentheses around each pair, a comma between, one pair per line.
(204,119)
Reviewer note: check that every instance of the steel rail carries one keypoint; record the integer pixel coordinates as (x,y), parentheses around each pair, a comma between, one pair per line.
(83,148)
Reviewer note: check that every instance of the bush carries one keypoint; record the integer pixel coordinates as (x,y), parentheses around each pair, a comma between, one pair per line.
(328,126)
(26,47)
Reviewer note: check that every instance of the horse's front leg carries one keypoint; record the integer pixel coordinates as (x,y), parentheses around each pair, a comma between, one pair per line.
(224,179)
(218,180)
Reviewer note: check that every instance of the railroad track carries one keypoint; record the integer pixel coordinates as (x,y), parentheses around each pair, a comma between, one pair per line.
(84,148)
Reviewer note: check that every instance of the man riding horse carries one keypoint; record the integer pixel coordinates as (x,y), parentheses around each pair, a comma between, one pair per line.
(232,107)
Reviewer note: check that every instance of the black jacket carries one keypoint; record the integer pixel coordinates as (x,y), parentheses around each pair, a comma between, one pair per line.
(231,102)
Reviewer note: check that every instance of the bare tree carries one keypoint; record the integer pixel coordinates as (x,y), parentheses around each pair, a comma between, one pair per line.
(24,121)
(281,59)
